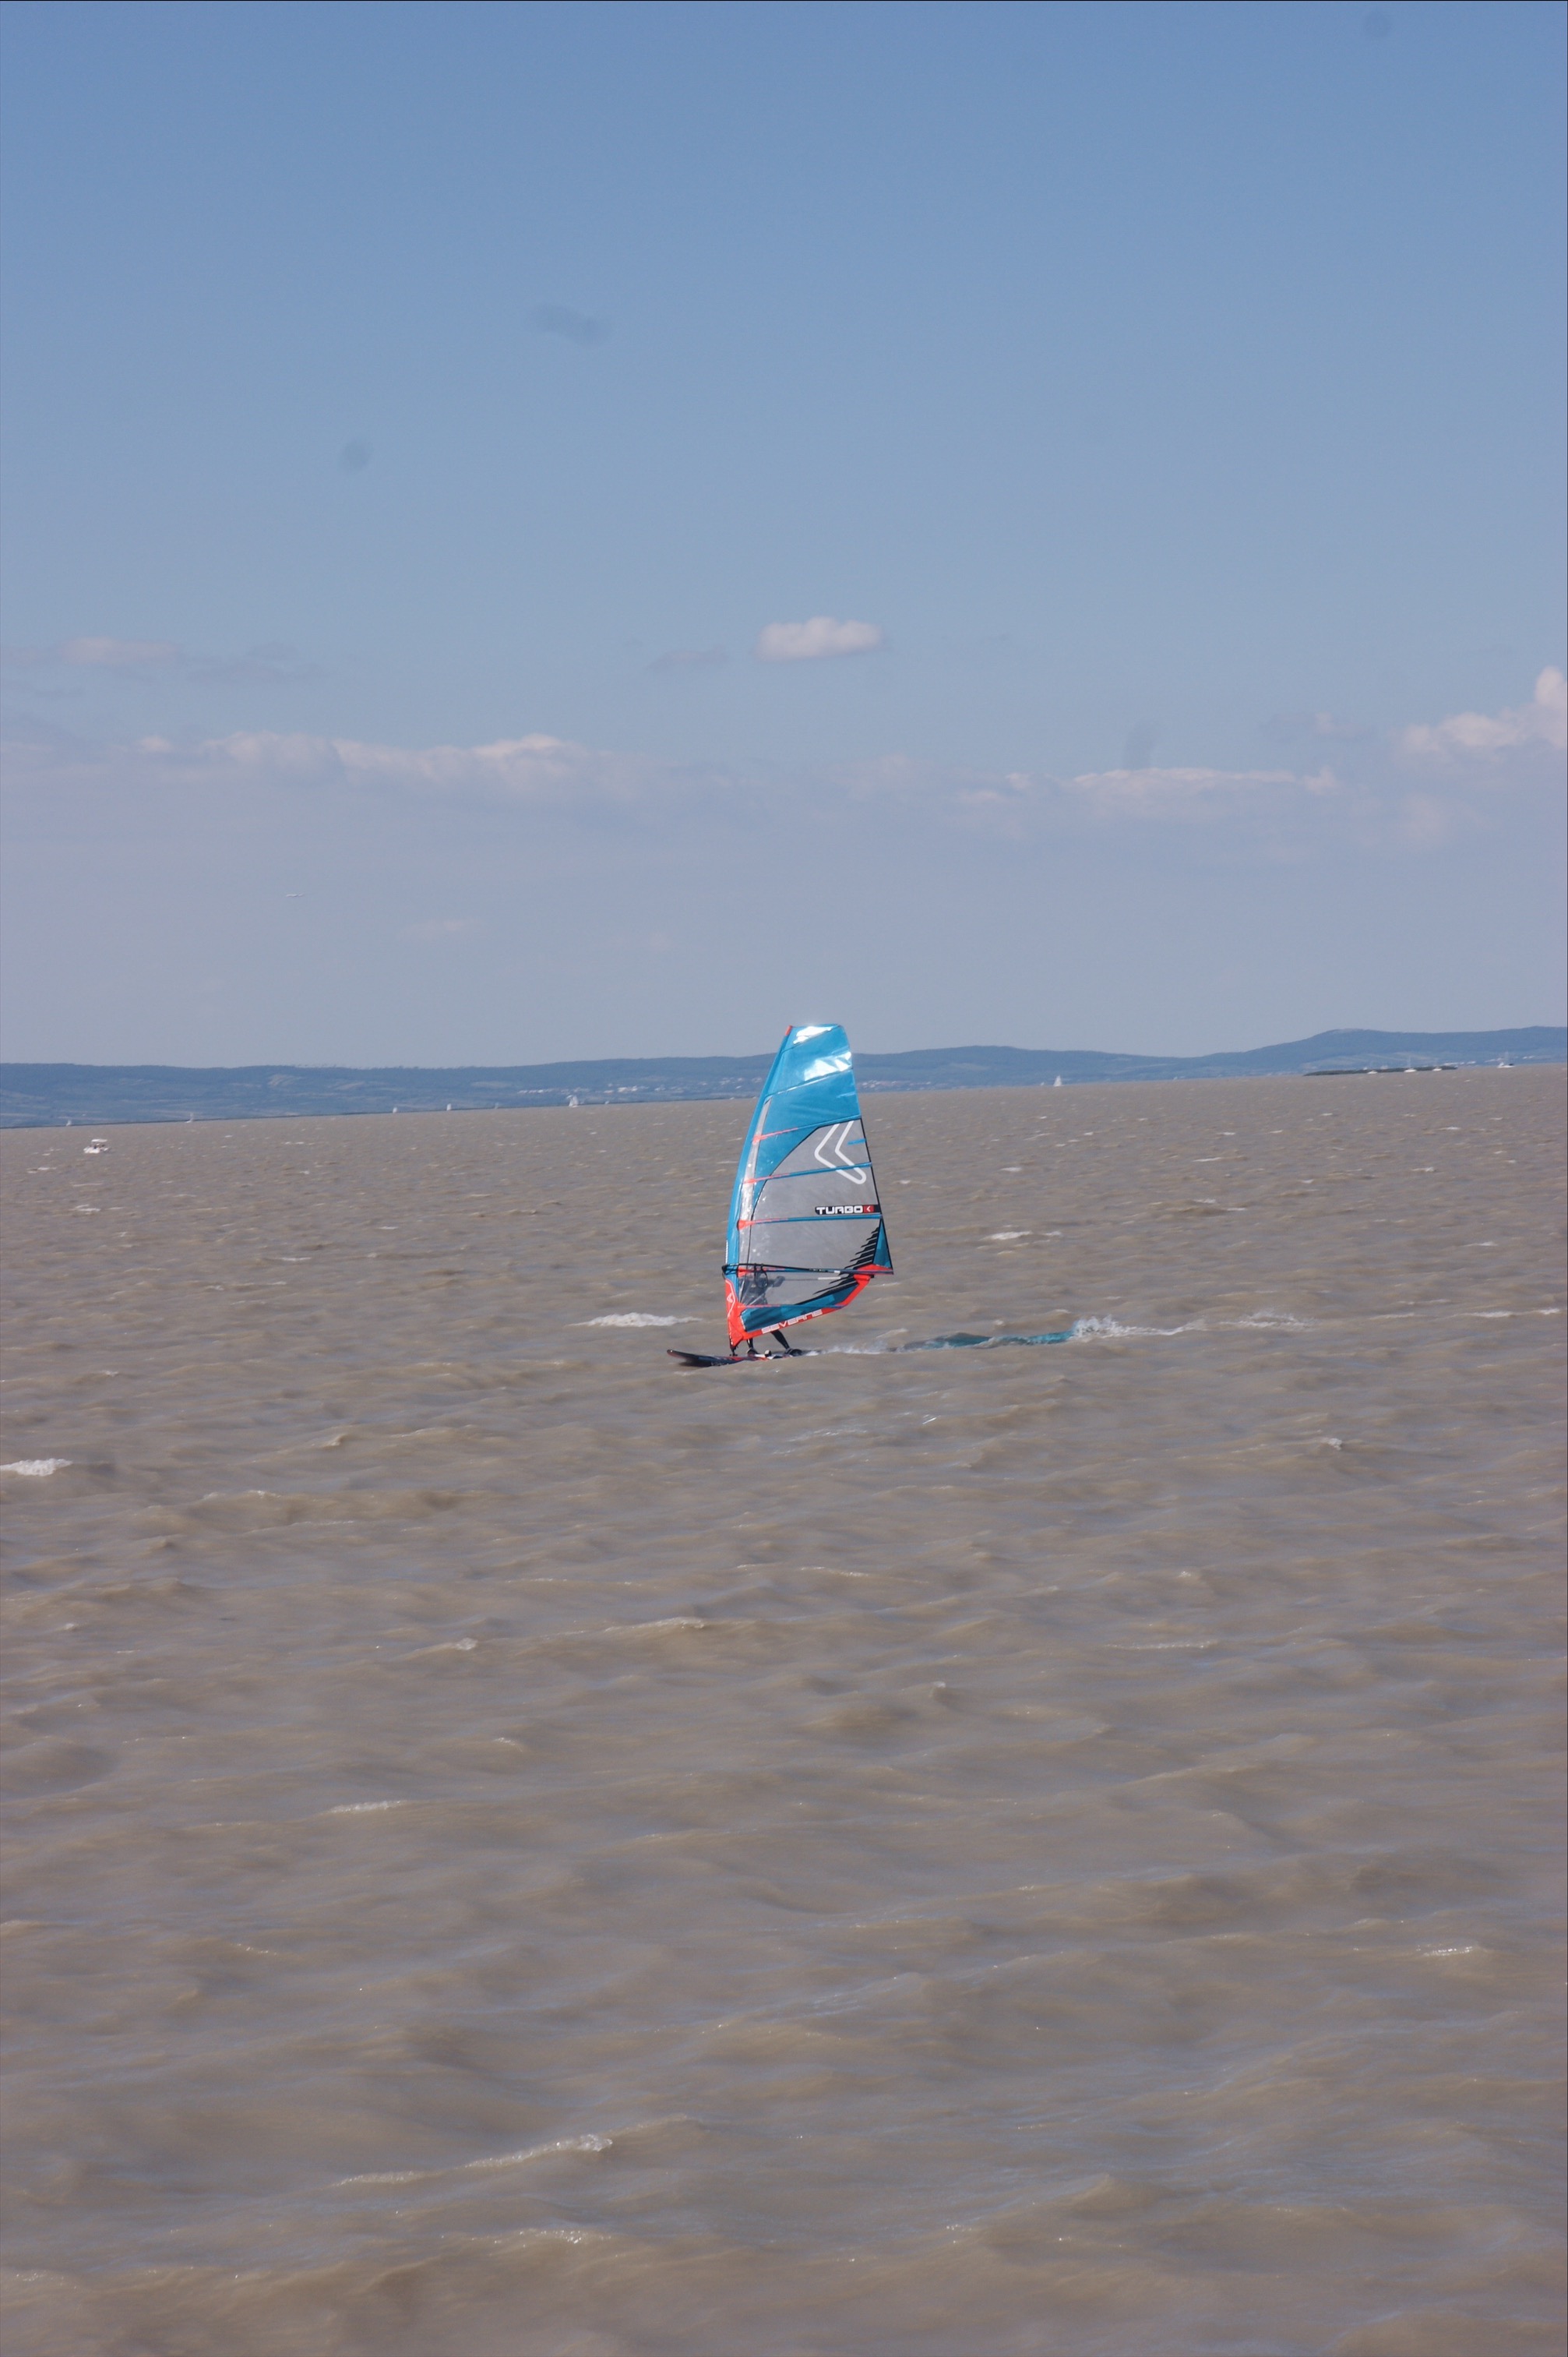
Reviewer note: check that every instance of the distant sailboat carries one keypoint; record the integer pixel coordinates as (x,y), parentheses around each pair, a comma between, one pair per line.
(806,1233)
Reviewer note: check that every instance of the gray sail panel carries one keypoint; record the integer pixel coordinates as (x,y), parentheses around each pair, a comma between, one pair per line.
(825,1244)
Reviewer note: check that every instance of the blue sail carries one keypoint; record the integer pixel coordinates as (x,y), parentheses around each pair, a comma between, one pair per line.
(806,1233)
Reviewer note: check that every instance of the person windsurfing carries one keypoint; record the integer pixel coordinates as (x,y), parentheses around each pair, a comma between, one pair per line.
(806,1233)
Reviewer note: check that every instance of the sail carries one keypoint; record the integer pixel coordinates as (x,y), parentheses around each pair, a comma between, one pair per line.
(805,1223)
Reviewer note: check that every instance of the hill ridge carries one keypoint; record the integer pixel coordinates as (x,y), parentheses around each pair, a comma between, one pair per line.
(48,1096)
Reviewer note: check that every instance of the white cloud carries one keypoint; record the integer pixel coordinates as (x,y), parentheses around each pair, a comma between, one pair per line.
(1187,793)
(810,641)
(1480,735)
(533,768)
(1366,798)
(542,771)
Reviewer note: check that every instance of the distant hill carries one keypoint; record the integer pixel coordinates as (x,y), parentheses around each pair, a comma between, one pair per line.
(46,1095)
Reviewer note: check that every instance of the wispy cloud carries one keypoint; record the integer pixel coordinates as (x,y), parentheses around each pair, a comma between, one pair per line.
(273,665)
(1473,738)
(118,654)
(432,931)
(1189,793)
(1426,823)
(811,641)
(1475,769)
(1288,726)
(690,659)
(95,654)
(1142,739)
(526,768)
(558,319)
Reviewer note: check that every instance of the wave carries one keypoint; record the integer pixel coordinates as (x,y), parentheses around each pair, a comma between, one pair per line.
(634,1318)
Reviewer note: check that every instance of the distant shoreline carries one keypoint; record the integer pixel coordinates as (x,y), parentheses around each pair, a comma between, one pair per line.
(48,1096)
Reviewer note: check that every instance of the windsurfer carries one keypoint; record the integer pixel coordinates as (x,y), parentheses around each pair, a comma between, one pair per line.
(753,1286)
(806,1263)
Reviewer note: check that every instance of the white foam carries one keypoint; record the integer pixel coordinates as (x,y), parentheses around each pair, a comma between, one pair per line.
(1008,1236)
(634,1627)
(634,1318)
(1111,1330)
(364,1808)
(500,2160)
(1173,1645)
(542,2151)
(37,1469)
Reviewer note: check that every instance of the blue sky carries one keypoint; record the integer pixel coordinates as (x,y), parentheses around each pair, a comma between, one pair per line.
(540,530)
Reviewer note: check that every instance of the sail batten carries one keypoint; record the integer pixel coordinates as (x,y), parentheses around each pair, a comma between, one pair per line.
(806,1232)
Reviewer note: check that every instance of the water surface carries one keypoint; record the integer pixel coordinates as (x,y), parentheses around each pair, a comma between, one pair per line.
(515,1846)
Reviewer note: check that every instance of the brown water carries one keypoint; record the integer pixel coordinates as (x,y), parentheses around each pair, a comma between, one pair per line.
(517,1849)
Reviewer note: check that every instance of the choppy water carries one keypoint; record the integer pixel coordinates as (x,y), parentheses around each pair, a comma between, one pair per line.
(515,1847)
